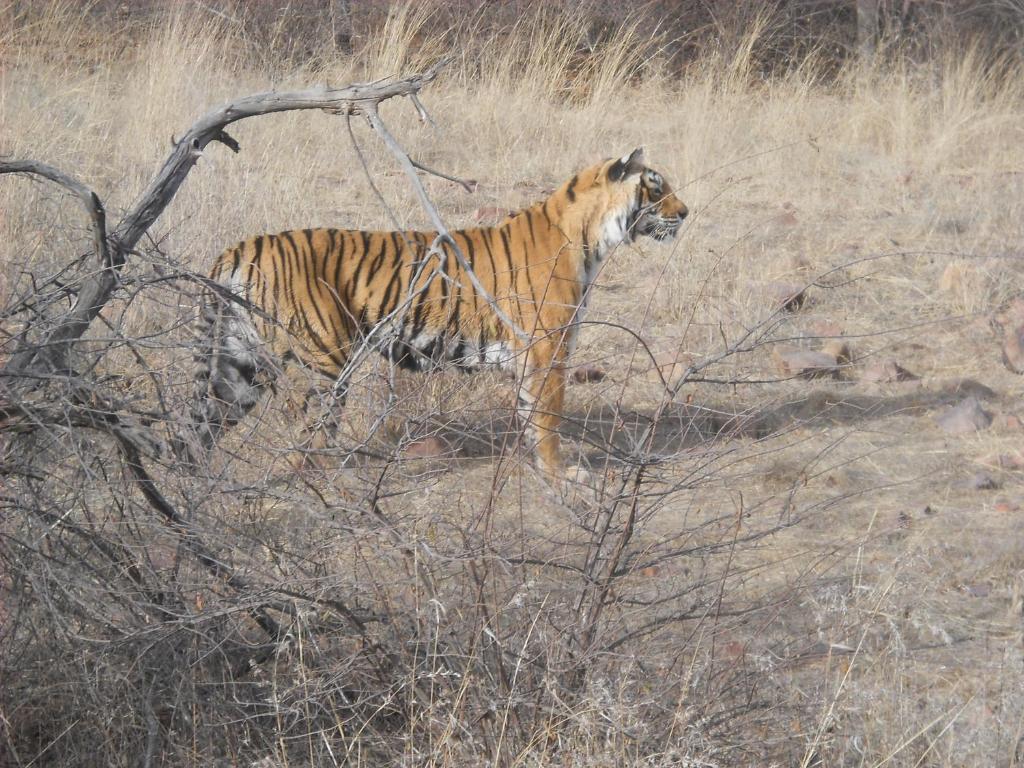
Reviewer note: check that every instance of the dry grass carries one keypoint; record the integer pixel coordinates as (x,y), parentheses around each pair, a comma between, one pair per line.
(889,621)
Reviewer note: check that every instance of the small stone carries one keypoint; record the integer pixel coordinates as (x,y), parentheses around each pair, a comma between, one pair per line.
(979,481)
(670,362)
(1009,422)
(1012,315)
(785,219)
(840,350)
(886,372)
(1013,348)
(953,277)
(786,296)
(430,447)
(586,374)
(1010,462)
(1005,505)
(966,417)
(804,363)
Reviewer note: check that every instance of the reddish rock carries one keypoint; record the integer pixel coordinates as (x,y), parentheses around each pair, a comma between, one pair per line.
(430,447)
(886,372)
(804,363)
(1013,348)
(953,277)
(586,374)
(966,417)
(1009,422)
(1011,462)
(670,363)
(840,350)
(1012,315)
(1006,505)
(785,219)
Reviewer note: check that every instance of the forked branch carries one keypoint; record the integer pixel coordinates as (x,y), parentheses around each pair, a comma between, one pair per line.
(50,353)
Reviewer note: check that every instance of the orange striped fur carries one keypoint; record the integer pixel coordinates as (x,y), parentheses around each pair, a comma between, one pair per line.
(318,295)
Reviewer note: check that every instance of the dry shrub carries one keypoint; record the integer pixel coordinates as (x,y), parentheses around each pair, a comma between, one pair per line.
(773,572)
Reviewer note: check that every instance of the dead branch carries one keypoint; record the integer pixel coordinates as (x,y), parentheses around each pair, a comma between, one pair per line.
(358,98)
(78,319)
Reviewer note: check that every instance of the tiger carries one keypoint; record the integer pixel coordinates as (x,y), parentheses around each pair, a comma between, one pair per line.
(322,297)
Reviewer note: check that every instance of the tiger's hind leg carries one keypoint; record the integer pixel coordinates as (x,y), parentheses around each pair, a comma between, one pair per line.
(233,371)
(320,413)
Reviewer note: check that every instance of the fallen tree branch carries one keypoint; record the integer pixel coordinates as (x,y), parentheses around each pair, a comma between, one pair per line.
(77,320)
(360,98)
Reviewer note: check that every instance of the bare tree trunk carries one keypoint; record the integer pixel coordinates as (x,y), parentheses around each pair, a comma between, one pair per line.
(867,30)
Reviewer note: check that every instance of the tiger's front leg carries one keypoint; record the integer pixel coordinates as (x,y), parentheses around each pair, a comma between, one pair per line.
(539,403)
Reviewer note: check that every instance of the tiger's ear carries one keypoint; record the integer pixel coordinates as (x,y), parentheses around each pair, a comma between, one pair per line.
(627,165)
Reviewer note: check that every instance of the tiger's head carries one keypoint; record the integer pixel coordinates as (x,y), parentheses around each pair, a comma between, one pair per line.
(620,200)
(653,210)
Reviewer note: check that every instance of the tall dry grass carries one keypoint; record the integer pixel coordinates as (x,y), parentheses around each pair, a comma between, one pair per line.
(849,637)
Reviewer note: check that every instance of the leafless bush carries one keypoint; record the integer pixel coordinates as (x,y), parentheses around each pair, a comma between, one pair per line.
(155,613)
(726,594)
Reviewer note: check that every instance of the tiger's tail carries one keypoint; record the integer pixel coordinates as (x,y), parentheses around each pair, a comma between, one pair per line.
(233,370)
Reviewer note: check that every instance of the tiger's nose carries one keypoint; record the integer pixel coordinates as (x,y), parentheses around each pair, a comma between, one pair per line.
(683,213)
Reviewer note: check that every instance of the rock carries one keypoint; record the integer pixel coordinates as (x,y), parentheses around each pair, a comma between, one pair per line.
(979,481)
(490,213)
(1009,422)
(1006,505)
(1011,462)
(585,374)
(786,296)
(966,417)
(430,447)
(886,372)
(785,219)
(804,363)
(799,264)
(1012,315)
(670,362)
(840,350)
(1013,348)
(953,277)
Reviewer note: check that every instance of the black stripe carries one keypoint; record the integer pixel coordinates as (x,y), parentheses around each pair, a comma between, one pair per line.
(360,261)
(529,223)
(544,210)
(471,259)
(338,253)
(570,190)
(485,235)
(308,269)
(385,302)
(508,254)
(289,272)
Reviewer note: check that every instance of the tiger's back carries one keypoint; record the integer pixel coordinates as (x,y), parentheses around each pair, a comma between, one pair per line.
(323,292)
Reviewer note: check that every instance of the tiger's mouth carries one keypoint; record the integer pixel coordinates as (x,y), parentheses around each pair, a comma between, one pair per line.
(661,228)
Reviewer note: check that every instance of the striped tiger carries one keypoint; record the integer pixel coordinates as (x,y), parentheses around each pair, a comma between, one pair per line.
(325,296)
